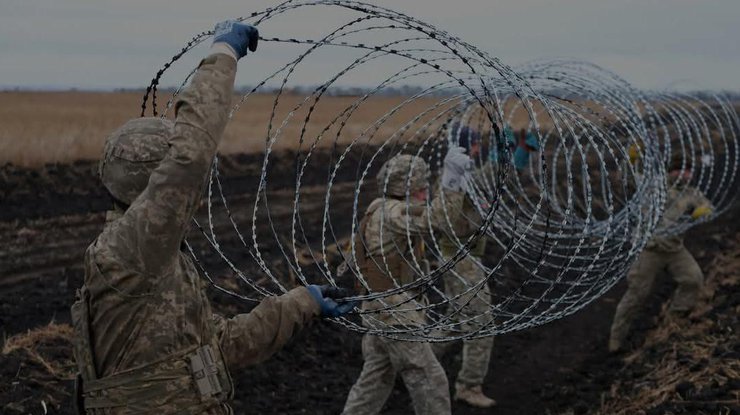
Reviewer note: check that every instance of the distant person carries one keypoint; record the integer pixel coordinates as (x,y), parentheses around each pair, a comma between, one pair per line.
(467,138)
(146,339)
(389,231)
(460,282)
(518,148)
(664,253)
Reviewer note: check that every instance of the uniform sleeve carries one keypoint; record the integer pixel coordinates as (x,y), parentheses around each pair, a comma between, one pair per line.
(699,200)
(151,231)
(400,220)
(248,339)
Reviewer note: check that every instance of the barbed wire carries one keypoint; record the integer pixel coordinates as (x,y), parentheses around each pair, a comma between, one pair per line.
(563,222)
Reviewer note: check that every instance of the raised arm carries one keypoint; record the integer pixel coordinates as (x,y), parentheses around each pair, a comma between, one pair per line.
(151,230)
(155,223)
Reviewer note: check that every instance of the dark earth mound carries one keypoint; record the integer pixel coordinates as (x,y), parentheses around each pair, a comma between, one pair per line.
(49,216)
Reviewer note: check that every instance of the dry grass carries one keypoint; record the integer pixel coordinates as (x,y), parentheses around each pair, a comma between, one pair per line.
(34,341)
(682,354)
(61,127)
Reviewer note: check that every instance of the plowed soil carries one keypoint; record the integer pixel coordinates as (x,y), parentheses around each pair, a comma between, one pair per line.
(48,216)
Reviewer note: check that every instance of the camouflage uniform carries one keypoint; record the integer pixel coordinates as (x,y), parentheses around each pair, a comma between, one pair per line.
(147,341)
(385,252)
(662,253)
(474,306)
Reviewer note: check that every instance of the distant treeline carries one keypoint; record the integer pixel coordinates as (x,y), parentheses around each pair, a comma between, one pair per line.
(408,90)
(343,91)
(339,91)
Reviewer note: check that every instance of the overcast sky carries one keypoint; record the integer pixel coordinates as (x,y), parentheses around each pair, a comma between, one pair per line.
(681,44)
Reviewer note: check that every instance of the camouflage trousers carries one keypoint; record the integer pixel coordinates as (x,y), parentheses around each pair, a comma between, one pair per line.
(682,268)
(473,315)
(421,373)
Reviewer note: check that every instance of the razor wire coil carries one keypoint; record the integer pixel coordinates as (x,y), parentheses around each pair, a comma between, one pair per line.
(561,229)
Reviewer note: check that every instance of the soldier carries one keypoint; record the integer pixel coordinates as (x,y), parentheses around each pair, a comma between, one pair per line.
(465,283)
(383,258)
(466,138)
(471,306)
(146,339)
(664,253)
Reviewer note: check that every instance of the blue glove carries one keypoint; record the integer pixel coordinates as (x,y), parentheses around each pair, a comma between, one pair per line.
(325,295)
(238,36)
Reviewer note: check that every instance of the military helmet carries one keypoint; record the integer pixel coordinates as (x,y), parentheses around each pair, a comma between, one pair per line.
(396,172)
(130,155)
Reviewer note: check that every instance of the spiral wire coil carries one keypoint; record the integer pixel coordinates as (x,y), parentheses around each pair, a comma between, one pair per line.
(561,230)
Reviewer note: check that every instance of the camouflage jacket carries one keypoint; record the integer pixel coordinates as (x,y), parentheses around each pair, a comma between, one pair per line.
(390,223)
(468,223)
(144,313)
(680,201)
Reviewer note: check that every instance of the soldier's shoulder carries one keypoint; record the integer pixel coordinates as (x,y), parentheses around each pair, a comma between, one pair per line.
(392,207)
(112,248)
(102,256)
(380,204)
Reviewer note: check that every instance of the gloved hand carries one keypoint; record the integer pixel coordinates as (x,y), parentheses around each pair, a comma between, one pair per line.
(700,212)
(457,165)
(237,36)
(523,149)
(326,295)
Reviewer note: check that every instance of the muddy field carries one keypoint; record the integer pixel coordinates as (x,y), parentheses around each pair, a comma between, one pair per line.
(48,216)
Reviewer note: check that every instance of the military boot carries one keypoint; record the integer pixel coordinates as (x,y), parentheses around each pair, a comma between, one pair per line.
(617,336)
(473,396)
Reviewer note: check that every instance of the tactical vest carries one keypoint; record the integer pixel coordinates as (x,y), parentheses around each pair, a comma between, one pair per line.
(380,272)
(197,377)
